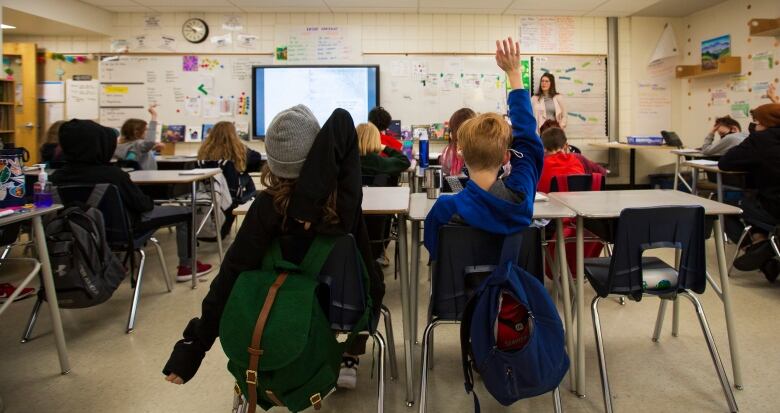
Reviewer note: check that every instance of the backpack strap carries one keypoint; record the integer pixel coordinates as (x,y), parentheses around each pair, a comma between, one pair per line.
(563,183)
(254,349)
(595,181)
(465,350)
(97,195)
(511,247)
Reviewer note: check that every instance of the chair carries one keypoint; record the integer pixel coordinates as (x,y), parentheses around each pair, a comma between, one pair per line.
(627,273)
(343,300)
(772,229)
(128,163)
(382,228)
(120,238)
(8,235)
(466,255)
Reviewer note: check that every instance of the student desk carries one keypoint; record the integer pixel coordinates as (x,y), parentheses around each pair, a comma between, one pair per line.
(609,204)
(169,178)
(682,156)
(712,167)
(632,154)
(48,278)
(420,205)
(176,162)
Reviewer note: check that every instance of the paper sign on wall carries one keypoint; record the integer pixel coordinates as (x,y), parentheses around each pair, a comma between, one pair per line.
(51,91)
(763,61)
(82,98)
(740,110)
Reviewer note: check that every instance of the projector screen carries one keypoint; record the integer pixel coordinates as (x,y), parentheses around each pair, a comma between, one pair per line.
(321,88)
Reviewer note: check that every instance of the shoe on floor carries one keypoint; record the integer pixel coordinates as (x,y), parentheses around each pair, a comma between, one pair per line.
(771,269)
(348,373)
(185,272)
(6,290)
(754,256)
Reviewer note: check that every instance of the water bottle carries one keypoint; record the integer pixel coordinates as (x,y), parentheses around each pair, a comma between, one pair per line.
(42,197)
(423,150)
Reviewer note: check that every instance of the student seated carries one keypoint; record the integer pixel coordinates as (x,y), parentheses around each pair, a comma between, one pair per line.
(376,158)
(51,150)
(312,181)
(559,161)
(502,206)
(138,140)
(451,160)
(381,119)
(758,154)
(223,147)
(730,133)
(87,148)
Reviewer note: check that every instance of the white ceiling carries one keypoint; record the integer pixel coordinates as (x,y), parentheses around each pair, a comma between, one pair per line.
(30,24)
(669,8)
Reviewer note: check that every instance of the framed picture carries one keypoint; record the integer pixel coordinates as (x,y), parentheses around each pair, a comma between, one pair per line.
(173,133)
(419,131)
(205,129)
(713,49)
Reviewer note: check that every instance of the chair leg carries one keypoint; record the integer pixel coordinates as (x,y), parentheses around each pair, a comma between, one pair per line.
(600,351)
(659,321)
(380,342)
(6,250)
(705,328)
(745,233)
(426,358)
(675,318)
(161,257)
(390,342)
(136,294)
(773,243)
(557,405)
(31,322)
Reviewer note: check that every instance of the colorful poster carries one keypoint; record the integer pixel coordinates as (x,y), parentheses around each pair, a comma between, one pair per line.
(714,49)
(189,63)
(205,129)
(193,135)
(740,110)
(173,133)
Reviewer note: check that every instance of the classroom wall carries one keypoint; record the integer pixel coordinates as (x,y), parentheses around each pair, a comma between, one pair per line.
(70,12)
(730,17)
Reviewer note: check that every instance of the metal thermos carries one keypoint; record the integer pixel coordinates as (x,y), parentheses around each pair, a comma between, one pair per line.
(433,181)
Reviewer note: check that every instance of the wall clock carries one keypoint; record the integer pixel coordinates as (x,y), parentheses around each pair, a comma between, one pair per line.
(195,30)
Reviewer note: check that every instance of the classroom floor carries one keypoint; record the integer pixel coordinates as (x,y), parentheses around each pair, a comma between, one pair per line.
(116,372)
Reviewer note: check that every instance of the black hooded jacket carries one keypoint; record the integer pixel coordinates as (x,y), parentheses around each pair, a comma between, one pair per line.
(332,164)
(759,154)
(87,148)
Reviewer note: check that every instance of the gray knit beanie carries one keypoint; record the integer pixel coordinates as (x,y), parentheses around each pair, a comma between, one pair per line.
(288,140)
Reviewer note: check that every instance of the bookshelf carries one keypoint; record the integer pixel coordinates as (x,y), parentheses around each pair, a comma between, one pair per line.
(765,27)
(7,110)
(726,66)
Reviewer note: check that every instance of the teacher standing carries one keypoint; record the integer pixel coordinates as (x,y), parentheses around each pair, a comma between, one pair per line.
(548,103)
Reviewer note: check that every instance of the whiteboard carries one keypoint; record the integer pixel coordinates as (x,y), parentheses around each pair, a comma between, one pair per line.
(190,90)
(417,89)
(582,80)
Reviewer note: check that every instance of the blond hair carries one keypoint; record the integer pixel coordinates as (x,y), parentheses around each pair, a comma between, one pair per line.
(53,133)
(222,143)
(484,141)
(368,139)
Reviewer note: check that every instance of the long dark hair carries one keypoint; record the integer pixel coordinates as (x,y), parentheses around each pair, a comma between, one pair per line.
(551,78)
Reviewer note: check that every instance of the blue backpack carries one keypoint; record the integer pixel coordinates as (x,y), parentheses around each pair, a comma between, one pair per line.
(541,363)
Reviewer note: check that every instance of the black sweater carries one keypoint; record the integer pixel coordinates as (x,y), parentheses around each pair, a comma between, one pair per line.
(759,154)
(332,164)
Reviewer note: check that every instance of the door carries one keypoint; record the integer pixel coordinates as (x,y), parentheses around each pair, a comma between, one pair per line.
(23,61)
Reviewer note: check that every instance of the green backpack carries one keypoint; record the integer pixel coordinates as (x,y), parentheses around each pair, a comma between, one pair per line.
(279,343)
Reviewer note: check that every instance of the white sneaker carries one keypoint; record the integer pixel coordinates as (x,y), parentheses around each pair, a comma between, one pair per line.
(348,373)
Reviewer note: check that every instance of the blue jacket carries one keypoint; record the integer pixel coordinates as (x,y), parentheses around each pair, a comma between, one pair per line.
(480,208)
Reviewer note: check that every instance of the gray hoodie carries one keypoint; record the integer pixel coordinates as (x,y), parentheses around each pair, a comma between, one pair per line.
(724,144)
(140,150)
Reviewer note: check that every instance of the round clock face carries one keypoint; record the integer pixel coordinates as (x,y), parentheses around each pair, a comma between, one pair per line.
(195,30)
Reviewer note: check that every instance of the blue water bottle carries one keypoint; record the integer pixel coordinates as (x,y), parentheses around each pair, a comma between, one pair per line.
(423,150)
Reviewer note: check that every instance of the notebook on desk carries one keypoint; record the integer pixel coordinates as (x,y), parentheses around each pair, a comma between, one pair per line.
(540,197)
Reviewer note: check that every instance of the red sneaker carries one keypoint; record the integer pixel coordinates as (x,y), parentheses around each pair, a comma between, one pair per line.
(6,290)
(185,272)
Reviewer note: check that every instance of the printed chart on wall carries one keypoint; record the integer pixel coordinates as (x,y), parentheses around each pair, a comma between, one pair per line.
(316,44)
(582,80)
(190,91)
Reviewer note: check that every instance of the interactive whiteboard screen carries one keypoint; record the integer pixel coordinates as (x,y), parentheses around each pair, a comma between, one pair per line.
(321,88)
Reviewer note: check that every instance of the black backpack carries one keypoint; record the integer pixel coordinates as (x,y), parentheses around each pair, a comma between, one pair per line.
(86,272)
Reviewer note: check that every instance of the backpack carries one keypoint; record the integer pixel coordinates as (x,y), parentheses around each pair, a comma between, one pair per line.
(279,342)
(86,272)
(535,360)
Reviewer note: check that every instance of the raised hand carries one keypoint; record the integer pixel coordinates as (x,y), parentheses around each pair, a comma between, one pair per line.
(153,111)
(508,59)
(771,93)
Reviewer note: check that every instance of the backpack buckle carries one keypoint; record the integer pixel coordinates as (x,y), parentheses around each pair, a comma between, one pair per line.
(316,401)
(251,377)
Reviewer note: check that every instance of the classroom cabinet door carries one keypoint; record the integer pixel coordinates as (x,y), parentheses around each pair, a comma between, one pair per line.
(22,60)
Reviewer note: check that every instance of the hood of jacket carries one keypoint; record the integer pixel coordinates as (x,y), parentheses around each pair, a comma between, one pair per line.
(488,212)
(87,142)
